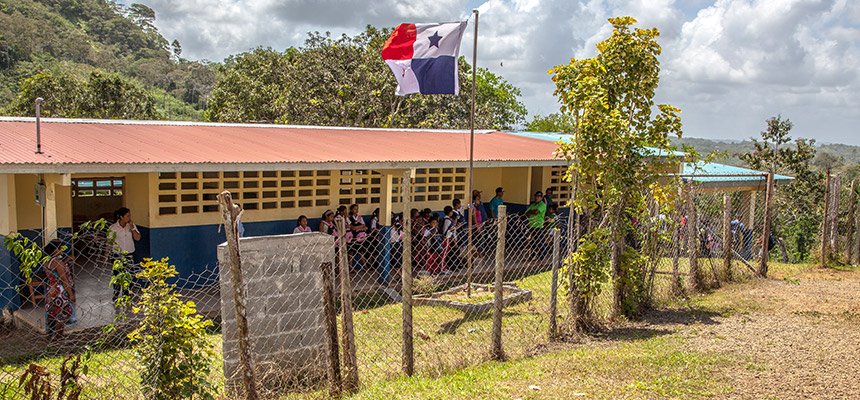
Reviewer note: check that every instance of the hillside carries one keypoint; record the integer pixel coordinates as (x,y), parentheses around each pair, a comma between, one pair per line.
(834,156)
(99,49)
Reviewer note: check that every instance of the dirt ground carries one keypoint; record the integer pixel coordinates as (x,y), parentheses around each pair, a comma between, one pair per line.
(795,335)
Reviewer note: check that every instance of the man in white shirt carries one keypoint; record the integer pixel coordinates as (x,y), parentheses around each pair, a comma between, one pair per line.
(124,233)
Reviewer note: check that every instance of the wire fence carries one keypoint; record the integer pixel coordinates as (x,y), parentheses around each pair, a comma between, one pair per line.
(323,313)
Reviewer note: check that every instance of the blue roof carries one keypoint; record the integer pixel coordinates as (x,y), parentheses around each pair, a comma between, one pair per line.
(560,137)
(707,170)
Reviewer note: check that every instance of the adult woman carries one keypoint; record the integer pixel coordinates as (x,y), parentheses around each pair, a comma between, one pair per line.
(302,225)
(60,292)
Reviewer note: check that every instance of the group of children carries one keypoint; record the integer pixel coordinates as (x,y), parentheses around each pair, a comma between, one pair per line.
(438,238)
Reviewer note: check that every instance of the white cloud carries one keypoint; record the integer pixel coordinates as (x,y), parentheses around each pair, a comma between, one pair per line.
(729,64)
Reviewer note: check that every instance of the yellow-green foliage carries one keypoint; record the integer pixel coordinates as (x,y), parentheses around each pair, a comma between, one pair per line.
(171,346)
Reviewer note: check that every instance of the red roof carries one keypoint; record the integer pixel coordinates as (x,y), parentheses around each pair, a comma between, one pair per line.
(93,143)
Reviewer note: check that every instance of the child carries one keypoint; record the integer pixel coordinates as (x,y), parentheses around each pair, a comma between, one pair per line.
(433,244)
(302,225)
(449,235)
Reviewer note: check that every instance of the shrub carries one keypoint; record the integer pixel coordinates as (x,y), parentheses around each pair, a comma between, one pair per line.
(174,355)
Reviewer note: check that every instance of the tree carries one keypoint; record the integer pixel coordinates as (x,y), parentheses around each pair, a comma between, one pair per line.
(610,98)
(176,48)
(800,202)
(102,95)
(112,96)
(555,122)
(62,96)
(344,82)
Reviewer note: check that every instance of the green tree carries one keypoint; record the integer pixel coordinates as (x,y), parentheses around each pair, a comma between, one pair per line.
(610,98)
(112,96)
(102,95)
(344,82)
(800,203)
(555,122)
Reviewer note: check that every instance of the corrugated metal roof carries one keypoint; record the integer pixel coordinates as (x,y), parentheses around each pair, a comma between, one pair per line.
(715,172)
(75,142)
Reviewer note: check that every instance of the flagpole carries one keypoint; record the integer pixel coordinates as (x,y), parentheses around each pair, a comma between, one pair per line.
(472,210)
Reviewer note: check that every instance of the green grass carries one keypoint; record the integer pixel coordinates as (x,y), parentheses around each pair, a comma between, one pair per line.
(447,341)
(656,366)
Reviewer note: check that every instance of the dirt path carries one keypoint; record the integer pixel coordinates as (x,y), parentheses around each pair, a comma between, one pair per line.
(796,335)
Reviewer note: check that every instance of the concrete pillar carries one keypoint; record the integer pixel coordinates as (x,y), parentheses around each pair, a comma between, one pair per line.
(8,209)
(753,195)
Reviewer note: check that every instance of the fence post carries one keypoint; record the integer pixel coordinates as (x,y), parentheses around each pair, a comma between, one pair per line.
(852,198)
(825,231)
(350,362)
(765,228)
(498,352)
(677,288)
(553,298)
(856,224)
(333,370)
(230,213)
(728,240)
(834,216)
(408,351)
(693,241)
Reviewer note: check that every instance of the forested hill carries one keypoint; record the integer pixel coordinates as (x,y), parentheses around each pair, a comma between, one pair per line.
(95,58)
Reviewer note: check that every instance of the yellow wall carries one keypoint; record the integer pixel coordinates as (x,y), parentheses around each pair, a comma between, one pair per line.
(487,180)
(8,213)
(29,214)
(137,197)
(517,184)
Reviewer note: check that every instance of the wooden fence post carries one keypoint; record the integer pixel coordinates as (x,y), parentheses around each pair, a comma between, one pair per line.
(856,224)
(852,199)
(553,299)
(765,228)
(696,283)
(330,315)
(834,216)
(498,294)
(677,287)
(350,361)
(728,240)
(408,351)
(230,214)
(825,225)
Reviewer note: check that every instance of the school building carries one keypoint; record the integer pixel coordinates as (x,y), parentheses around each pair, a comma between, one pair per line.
(169,174)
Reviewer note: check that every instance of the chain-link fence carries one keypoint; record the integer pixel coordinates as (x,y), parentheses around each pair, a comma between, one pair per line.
(70,306)
(357,304)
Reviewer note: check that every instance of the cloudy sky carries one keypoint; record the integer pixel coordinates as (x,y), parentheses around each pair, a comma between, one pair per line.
(728,64)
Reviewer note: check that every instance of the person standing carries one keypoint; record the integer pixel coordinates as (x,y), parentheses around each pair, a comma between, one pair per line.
(60,293)
(536,214)
(495,202)
(124,233)
(548,197)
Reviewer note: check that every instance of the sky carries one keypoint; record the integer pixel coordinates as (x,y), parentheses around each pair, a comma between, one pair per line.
(728,64)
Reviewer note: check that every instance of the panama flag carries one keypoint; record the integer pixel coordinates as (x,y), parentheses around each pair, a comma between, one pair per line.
(423,57)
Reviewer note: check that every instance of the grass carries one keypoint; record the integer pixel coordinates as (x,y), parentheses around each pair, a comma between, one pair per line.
(452,351)
(655,366)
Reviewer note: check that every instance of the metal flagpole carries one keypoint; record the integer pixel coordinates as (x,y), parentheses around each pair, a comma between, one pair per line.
(472,159)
